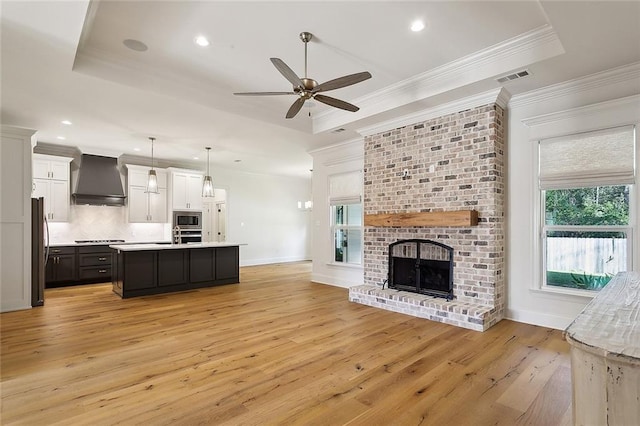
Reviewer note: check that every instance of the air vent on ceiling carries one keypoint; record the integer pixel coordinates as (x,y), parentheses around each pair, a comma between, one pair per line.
(340,130)
(514,76)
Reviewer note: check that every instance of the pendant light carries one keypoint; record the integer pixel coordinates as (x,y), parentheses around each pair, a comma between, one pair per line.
(207,184)
(152,181)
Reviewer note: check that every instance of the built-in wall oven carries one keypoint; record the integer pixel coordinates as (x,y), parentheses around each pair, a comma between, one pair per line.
(187,227)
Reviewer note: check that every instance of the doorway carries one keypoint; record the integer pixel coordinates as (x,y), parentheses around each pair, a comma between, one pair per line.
(214,217)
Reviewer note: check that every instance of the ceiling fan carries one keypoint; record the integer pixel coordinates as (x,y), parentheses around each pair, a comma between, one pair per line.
(307,88)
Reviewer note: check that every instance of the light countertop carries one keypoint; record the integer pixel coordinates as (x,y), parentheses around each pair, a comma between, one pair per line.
(609,326)
(74,244)
(142,247)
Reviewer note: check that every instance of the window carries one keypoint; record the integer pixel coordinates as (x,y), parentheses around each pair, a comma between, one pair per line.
(346,218)
(586,181)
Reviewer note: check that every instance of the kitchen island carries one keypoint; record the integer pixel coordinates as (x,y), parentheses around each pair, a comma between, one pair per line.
(143,269)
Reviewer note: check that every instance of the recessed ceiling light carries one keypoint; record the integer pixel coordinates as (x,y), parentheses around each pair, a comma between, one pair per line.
(201,41)
(136,149)
(196,158)
(66,122)
(417,26)
(61,138)
(136,45)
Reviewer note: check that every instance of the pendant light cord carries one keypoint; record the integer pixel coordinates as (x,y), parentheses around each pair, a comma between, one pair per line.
(152,139)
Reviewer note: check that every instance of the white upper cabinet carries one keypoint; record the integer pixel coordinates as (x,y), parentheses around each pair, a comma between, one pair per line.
(186,190)
(51,167)
(146,207)
(51,181)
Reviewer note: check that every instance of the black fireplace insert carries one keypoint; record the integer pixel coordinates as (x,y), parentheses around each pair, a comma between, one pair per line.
(421,266)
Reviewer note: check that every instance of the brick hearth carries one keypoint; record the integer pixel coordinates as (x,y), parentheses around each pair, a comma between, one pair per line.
(454,162)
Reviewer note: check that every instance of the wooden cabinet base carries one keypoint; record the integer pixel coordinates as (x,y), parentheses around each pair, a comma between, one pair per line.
(142,273)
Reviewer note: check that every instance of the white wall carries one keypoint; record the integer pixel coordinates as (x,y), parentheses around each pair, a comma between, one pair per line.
(525,302)
(345,157)
(15,219)
(262,211)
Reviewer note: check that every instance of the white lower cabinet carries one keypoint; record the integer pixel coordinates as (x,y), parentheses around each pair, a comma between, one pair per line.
(146,207)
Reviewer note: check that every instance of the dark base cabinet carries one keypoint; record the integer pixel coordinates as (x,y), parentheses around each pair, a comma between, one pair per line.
(94,264)
(73,265)
(61,266)
(145,272)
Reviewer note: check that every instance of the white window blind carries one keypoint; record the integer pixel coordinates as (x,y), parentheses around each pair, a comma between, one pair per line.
(345,188)
(588,159)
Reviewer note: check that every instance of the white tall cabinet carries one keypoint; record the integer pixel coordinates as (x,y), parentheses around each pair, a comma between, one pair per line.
(186,189)
(145,207)
(15,218)
(51,176)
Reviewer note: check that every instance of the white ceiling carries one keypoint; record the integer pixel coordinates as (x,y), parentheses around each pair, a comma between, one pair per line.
(66,60)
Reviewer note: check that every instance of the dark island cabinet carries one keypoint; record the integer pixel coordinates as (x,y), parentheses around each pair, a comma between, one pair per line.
(172,268)
(202,267)
(140,270)
(228,264)
(144,272)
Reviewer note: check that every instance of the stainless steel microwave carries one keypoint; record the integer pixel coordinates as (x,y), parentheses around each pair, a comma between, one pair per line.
(187,220)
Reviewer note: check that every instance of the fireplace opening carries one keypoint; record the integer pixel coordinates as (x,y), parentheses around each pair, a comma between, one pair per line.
(421,266)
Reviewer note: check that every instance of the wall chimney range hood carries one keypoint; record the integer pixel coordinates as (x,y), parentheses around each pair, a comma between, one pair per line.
(99,182)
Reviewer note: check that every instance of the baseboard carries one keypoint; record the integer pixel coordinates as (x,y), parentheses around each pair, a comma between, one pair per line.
(11,307)
(331,280)
(272,260)
(537,318)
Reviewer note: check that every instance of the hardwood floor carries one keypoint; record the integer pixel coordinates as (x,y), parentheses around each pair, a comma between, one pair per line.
(274,349)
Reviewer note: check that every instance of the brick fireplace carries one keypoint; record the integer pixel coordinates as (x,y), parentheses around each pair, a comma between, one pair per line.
(451,163)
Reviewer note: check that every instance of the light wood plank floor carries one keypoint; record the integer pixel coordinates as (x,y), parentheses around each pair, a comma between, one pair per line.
(274,349)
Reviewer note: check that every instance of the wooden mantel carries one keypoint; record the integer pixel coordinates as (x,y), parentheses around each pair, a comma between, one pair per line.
(453,218)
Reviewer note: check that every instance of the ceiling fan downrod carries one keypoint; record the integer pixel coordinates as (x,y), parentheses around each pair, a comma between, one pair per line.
(306,38)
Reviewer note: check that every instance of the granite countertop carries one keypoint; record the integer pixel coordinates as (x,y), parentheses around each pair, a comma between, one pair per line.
(609,326)
(142,247)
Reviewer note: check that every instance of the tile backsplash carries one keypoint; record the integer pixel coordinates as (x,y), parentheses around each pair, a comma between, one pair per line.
(105,223)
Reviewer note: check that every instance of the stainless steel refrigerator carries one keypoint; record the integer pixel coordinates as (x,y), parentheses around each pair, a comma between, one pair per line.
(39,250)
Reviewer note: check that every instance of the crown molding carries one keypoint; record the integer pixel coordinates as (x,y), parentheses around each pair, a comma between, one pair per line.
(338,145)
(338,153)
(47,148)
(602,115)
(17,131)
(623,74)
(520,51)
(631,104)
(498,96)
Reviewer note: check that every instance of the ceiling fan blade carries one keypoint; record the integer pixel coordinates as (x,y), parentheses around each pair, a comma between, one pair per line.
(295,107)
(340,82)
(336,103)
(264,93)
(286,72)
